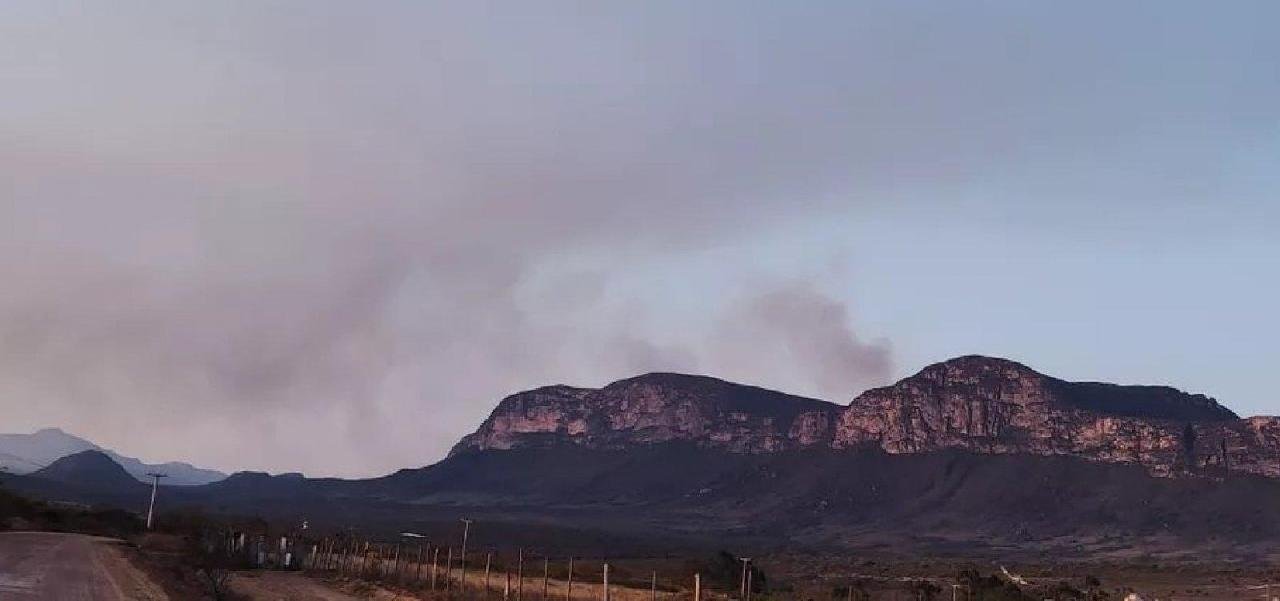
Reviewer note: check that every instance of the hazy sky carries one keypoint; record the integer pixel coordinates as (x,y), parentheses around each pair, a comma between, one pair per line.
(328,237)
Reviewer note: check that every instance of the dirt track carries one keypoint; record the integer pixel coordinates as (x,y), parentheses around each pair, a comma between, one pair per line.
(279,586)
(69,567)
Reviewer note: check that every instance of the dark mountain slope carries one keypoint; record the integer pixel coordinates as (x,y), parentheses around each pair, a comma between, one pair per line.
(88,477)
(854,499)
(92,470)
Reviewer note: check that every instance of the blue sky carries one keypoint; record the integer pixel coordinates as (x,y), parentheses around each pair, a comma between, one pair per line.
(242,226)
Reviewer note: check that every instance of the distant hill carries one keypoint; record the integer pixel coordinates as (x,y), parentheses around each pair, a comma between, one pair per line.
(89,469)
(27,453)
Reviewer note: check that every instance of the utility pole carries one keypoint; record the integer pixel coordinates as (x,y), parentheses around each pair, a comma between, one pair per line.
(155,484)
(466,528)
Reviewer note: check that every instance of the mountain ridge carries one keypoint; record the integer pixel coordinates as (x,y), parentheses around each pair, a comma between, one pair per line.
(980,404)
(971,455)
(28,453)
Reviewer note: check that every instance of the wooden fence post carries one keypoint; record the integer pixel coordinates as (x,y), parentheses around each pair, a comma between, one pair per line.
(448,570)
(568,589)
(488,561)
(435,562)
(653,585)
(417,573)
(605,597)
(546,572)
(520,574)
(697,587)
(364,562)
(395,567)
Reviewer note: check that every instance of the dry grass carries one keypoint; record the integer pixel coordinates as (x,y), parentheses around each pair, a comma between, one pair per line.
(415,578)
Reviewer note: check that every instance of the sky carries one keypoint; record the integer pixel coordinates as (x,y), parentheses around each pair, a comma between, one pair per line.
(328,237)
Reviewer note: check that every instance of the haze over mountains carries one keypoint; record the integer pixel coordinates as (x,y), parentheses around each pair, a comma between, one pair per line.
(971,454)
(27,453)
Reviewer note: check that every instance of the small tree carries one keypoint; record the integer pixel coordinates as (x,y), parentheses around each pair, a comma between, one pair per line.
(927,591)
(212,563)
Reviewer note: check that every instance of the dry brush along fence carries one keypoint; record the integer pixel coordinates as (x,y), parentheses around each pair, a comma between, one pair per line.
(492,575)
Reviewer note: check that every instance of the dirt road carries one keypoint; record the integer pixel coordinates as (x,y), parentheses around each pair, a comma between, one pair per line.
(291,586)
(69,567)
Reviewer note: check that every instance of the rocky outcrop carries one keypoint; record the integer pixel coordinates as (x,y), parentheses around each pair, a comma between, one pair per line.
(989,405)
(657,408)
(977,404)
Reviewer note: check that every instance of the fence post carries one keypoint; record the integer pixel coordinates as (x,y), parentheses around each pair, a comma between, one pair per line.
(417,573)
(395,566)
(653,585)
(435,562)
(606,581)
(448,570)
(364,561)
(520,574)
(546,572)
(568,589)
(697,587)
(488,560)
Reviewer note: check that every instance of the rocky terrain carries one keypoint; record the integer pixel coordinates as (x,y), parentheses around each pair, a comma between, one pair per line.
(977,404)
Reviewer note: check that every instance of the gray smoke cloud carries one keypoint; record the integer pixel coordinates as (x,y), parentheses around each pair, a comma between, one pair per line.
(329,237)
(795,333)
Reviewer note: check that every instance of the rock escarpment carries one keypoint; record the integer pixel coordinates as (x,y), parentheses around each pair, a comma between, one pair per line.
(977,404)
(657,408)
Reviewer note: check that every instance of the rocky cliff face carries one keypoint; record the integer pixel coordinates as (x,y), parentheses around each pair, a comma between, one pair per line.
(978,404)
(657,408)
